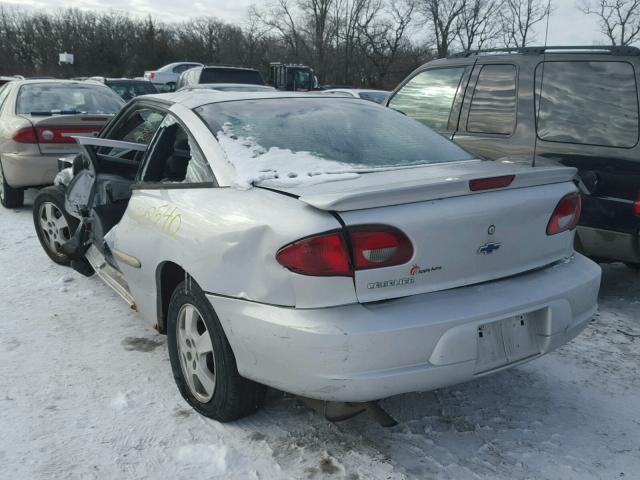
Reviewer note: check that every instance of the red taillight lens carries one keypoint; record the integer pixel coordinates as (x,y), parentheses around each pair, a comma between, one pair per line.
(566,215)
(25,135)
(636,206)
(320,255)
(152,75)
(490,183)
(374,246)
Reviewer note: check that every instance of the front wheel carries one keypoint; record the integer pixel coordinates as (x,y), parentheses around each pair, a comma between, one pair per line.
(203,364)
(53,224)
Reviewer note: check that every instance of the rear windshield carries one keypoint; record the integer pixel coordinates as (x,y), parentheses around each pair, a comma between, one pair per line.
(51,98)
(231,75)
(308,136)
(128,90)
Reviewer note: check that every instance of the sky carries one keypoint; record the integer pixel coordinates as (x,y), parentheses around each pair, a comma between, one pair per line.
(567,25)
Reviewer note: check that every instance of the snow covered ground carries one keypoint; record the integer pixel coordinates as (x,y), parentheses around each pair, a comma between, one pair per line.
(86,392)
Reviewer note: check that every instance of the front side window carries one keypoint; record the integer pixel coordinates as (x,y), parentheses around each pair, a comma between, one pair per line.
(590,103)
(71,98)
(175,158)
(303,139)
(493,106)
(428,96)
(138,126)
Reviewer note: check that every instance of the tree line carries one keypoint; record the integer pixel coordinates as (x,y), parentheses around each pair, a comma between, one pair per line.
(373,43)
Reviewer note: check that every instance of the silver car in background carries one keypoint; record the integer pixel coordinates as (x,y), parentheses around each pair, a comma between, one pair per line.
(377,96)
(38,119)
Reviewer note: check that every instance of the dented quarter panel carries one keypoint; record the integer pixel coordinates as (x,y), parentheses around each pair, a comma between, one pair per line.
(226,240)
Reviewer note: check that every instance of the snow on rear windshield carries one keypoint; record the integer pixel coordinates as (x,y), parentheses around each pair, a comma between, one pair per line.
(290,141)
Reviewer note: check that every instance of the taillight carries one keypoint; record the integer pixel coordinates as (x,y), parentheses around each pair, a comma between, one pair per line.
(372,246)
(376,246)
(152,75)
(490,183)
(636,205)
(25,135)
(320,255)
(566,215)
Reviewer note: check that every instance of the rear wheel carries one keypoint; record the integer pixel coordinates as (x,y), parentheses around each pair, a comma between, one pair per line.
(53,224)
(202,361)
(10,197)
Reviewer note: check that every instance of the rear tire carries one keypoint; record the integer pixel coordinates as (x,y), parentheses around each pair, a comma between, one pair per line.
(53,224)
(203,364)
(10,197)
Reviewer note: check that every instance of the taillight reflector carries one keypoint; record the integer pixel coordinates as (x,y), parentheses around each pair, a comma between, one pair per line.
(372,246)
(566,214)
(490,183)
(152,75)
(636,206)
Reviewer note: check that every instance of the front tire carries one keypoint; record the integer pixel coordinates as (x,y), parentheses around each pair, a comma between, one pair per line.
(10,197)
(203,364)
(53,224)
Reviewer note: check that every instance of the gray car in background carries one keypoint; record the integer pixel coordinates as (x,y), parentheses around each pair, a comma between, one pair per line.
(38,119)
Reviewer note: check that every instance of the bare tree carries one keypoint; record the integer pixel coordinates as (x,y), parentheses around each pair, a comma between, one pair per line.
(478,24)
(518,19)
(443,17)
(619,20)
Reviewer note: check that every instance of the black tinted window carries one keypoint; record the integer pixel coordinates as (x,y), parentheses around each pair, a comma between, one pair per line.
(428,96)
(327,132)
(493,107)
(230,75)
(592,103)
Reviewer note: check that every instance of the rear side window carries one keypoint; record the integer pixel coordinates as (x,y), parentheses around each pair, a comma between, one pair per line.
(71,98)
(493,106)
(590,103)
(224,75)
(428,96)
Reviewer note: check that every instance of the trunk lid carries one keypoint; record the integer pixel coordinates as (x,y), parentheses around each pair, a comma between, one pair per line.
(55,132)
(459,237)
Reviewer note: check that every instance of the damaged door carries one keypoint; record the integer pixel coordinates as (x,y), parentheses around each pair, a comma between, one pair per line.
(150,232)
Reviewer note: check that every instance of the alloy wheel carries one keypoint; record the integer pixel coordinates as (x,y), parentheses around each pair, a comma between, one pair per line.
(54,226)
(195,351)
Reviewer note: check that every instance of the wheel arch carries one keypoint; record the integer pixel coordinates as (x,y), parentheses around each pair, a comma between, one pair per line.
(168,276)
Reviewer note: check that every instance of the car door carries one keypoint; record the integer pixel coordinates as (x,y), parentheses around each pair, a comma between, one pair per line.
(434,97)
(150,230)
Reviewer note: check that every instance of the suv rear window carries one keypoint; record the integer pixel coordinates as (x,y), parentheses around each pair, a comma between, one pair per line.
(230,75)
(493,107)
(428,96)
(590,103)
(52,98)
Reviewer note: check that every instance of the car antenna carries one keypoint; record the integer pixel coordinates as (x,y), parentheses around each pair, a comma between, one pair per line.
(537,104)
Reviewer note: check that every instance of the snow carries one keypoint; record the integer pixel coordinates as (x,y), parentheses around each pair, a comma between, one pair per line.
(277,167)
(86,392)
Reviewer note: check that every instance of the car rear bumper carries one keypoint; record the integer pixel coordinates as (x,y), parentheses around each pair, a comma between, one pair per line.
(29,170)
(363,352)
(597,242)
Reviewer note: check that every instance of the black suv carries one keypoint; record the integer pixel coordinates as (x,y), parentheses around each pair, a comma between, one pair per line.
(580,102)
(219,74)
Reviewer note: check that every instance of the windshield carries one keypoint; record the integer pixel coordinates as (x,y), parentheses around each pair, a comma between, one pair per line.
(230,75)
(128,90)
(52,98)
(305,137)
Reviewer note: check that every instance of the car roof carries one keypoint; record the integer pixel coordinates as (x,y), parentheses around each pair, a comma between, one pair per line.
(265,88)
(229,67)
(31,81)
(201,96)
(355,90)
